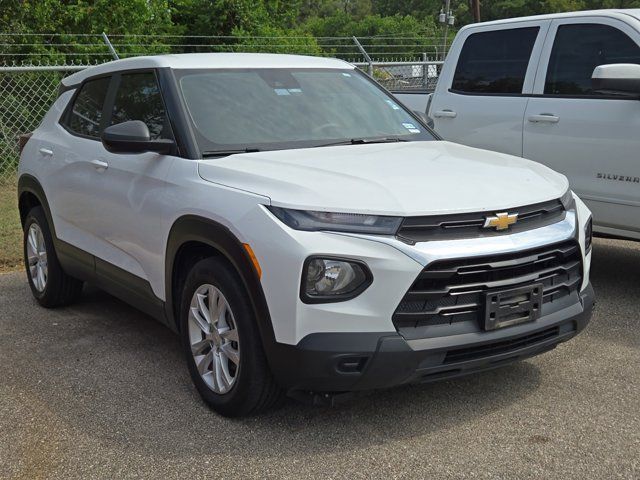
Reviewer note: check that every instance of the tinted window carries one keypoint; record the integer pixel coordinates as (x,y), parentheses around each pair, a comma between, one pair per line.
(495,62)
(86,113)
(138,98)
(578,50)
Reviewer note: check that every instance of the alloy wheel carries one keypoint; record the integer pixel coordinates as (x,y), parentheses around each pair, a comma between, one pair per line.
(214,340)
(37,257)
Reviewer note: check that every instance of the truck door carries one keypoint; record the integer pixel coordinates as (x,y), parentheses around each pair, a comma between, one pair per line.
(590,136)
(481,97)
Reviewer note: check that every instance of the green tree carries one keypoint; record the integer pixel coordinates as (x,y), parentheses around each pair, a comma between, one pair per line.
(381,36)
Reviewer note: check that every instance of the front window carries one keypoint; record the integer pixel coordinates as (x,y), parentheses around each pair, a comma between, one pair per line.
(138,98)
(270,109)
(578,49)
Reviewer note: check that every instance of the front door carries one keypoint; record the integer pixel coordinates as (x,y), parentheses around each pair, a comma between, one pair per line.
(130,189)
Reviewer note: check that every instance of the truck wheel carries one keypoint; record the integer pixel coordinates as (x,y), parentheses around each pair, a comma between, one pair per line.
(222,343)
(50,285)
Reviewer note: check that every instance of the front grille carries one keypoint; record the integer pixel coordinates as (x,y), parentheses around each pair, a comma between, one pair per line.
(498,348)
(470,225)
(452,291)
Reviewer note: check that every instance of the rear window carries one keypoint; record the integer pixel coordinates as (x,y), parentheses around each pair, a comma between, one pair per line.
(85,115)
(495,62)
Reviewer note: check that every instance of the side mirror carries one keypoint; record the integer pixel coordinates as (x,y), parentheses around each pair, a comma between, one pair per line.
(617,78)
(133,137)
(421,115)
(425,118)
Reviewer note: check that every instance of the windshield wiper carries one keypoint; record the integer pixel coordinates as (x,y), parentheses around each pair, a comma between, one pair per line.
(225,153)
(363,141)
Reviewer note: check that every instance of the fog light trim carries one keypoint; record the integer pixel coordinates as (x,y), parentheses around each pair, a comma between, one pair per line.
(343,297)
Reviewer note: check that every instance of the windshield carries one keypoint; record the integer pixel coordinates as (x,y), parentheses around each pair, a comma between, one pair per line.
(269,109)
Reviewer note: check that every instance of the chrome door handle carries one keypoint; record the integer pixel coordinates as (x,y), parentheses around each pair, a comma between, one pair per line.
(544,118)
(99,164)
(445,114)
(47,152)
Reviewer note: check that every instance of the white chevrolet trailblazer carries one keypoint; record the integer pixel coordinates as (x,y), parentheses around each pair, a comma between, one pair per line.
(302,231)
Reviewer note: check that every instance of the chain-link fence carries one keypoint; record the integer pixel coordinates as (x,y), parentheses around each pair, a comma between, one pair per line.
(25,96)
(404,76)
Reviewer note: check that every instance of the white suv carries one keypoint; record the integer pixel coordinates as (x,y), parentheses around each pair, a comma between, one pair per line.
(302,231)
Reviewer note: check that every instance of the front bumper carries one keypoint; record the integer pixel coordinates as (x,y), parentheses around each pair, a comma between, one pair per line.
(346,362)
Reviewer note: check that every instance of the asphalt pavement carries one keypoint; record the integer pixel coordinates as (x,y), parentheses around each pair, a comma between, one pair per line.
(98,390)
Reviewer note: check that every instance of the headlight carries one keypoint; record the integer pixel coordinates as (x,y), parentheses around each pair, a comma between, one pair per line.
(333,279)
(588,235)
(338,222)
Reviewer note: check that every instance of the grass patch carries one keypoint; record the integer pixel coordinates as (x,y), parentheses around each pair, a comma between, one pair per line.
(10,229)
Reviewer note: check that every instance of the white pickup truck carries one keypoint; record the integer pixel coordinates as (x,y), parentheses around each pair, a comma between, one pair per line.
(563,90)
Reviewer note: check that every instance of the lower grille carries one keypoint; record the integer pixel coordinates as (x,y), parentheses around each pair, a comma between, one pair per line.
(498,348)
(452,291)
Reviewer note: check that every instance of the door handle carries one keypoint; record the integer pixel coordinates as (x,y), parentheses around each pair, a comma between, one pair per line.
(544,118)
(99,164)
(47,152)
(445,114)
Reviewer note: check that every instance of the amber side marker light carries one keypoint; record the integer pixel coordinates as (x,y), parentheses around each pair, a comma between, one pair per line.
(253,258)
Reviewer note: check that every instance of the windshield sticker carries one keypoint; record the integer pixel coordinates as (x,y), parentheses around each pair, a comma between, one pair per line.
(346,74)
(295,90)
(281,91)
(411,127)
(392,105)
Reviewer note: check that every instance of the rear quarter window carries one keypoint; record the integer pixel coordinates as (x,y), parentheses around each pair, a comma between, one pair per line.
(495,62)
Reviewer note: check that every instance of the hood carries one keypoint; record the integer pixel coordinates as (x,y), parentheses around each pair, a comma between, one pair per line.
(404,179)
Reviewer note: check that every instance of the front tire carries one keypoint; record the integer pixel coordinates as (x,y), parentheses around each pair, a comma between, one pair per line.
(222,343)
(50,285)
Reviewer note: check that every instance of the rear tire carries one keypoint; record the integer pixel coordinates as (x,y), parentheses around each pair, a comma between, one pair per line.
(50,285)
(222,344)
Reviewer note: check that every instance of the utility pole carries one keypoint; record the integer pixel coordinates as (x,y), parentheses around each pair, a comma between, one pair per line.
(475,9)
(446,18)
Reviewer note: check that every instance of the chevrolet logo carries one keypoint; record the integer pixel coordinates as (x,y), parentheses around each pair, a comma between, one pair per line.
(501,221)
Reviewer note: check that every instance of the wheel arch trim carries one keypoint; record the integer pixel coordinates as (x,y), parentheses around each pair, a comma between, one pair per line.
(193,228)
(30,184)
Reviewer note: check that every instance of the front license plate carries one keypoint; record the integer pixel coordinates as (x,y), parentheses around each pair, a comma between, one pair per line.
(504,308)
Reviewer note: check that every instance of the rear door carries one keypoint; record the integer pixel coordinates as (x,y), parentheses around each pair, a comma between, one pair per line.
(592,137)
(480,99)
(70,178)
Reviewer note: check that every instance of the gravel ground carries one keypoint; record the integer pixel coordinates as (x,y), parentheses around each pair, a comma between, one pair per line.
(101,391)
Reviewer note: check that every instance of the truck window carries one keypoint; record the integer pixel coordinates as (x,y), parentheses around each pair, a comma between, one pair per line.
(495,62)
(578,49)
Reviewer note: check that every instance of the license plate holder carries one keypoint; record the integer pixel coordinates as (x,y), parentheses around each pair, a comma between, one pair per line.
(505,308)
